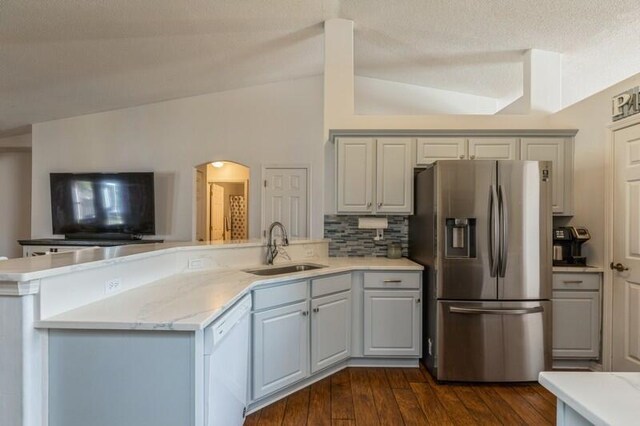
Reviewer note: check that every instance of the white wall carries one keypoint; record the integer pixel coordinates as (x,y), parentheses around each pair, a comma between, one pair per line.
(276,123)
(591,116)
(15,198)
(382,97)
(17,142)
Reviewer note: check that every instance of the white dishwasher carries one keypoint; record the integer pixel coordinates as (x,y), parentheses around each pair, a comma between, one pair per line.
(226,366)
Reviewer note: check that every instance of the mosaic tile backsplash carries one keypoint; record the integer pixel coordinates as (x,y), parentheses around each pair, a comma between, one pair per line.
(348,240)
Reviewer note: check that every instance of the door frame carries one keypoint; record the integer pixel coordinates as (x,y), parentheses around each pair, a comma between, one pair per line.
(266,167)
(607,283)
(246,183)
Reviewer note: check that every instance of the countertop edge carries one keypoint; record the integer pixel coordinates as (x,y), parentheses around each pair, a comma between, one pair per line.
(570,401)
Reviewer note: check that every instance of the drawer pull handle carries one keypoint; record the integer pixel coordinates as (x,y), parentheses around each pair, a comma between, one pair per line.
(392,281)
(305,313)
(316,310)
(573,282)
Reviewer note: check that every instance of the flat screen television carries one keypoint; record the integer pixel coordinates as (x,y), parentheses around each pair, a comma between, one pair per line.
(102,205)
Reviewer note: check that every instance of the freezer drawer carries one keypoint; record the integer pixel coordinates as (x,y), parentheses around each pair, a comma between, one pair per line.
(493,341)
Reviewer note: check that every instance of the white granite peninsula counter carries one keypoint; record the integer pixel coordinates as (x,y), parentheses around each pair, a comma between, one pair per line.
(65,312)
(585,398)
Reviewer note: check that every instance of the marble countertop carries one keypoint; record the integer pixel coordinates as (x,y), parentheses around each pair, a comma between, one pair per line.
(36,267)
(579,269)
(601,398)
(193,300)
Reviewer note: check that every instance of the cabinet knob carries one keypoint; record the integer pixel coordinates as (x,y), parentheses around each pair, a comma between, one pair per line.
(462,157)
(369,205)
(316,310)
(305,313)
(379,205)
(473,157)
(418,300)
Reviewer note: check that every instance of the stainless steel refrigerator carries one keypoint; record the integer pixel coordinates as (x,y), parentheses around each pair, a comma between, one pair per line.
(482,229)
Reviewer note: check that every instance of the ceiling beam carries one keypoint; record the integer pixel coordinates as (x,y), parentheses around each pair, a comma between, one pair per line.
(339,71)
(542,81)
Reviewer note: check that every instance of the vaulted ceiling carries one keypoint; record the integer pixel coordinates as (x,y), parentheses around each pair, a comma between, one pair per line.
(61,58)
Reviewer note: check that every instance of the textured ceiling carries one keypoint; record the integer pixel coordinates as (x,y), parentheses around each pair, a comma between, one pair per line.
(60,58)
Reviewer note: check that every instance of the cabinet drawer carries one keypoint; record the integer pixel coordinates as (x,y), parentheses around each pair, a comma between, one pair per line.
(332,284)
(391,280)
(576,281)
(279,295)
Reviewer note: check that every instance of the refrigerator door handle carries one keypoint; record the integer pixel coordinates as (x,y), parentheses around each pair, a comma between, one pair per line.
(493,231)
(504,231)
(498,311)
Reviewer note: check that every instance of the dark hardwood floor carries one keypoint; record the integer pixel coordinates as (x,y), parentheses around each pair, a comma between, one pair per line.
(407,396)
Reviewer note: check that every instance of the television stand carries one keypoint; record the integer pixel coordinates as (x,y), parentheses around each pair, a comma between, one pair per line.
(103,237)
(44,246)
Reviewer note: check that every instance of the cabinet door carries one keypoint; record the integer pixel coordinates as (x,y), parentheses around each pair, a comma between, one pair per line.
(394,175)
(493,149)
(392,322)
(355,174)
(280,348)
(576,324)
(549,149)
(432,149)
(330,330)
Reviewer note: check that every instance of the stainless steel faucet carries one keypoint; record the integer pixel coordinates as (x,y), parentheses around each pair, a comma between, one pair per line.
(272,247)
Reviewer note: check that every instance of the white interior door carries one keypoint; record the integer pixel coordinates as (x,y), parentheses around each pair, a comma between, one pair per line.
(626,250)
(217,212)
(285,200)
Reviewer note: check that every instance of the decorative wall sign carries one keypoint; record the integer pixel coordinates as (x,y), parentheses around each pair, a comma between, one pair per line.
(625,104)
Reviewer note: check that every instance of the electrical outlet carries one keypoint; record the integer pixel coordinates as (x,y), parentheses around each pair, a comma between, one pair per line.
(196,263)
(112,285)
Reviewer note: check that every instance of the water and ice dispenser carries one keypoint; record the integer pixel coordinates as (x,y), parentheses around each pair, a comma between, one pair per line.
(461,237)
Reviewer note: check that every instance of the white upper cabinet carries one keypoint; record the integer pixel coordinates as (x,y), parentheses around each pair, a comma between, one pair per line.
(432,149)
(374,175)
(493,149)
(355,167)
(559,152)
(394,176)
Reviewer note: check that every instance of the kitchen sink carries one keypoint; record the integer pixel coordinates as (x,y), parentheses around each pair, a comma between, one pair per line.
(288,269)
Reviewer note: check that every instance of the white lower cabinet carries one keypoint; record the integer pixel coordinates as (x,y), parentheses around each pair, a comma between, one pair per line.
(392,322)
(303,327)
(330,330)
(280,347)
(576,315)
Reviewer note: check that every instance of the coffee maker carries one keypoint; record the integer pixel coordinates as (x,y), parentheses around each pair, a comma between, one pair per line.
(567,245)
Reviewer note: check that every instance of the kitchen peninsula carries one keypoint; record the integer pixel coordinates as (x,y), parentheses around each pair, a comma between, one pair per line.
(101,316)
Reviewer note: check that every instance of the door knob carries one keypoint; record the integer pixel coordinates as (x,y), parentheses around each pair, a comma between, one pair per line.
(618,267)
